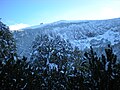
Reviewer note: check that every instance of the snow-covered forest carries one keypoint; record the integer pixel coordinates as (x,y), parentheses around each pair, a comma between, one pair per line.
(55,63)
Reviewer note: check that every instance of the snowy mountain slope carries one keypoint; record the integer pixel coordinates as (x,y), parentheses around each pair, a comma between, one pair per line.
(85,33)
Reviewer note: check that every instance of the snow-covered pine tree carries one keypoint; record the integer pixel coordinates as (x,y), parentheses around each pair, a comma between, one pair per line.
(15,73)
(48,50)
(77,58)
(7,44)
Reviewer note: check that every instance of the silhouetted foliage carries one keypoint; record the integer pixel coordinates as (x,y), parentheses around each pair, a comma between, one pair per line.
(103,71)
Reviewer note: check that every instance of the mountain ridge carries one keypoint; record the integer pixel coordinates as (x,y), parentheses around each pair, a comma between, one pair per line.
(80,33)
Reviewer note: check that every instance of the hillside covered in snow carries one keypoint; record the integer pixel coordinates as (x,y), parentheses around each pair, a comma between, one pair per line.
(80,33)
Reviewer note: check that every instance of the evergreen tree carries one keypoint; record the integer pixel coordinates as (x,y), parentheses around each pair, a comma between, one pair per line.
(7,44)
(102,71)
(46,51)
(15,73)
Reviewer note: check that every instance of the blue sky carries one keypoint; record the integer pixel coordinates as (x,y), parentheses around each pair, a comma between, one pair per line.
(23,13)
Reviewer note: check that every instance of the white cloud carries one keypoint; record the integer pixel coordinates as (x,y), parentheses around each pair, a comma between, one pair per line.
(18,26)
